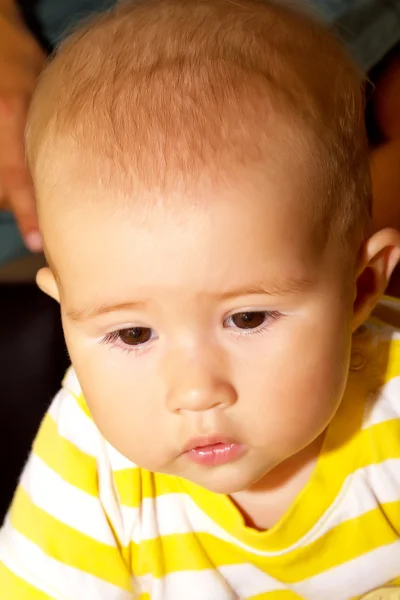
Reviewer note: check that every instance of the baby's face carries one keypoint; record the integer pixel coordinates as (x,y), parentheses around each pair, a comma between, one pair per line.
(210,339)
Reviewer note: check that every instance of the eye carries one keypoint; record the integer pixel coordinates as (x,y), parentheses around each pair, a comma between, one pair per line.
(248,320)
(254,321)
(130,338)
(135,336)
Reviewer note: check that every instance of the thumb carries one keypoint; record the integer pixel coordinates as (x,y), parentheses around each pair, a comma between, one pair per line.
(15,180)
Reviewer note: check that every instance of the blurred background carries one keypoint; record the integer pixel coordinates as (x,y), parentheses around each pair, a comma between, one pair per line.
(33,356)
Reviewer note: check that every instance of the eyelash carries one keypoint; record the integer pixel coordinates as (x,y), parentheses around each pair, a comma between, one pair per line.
(112,338)
(270,317)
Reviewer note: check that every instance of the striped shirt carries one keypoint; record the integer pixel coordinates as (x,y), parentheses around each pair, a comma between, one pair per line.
(87,524)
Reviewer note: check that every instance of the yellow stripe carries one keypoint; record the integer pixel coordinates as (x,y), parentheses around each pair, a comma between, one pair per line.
(13,587)
(276,595)
(78,397)
(388,315)
(135,484)
(66,544)
(391,298)
(128,486)
(180,552)
(73,465)
(392,366)
(168,554)
(380,442)
(83,405)
(345,542)
(394,583)
(341,454)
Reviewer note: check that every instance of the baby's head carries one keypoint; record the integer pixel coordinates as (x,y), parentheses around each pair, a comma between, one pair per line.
(203,189)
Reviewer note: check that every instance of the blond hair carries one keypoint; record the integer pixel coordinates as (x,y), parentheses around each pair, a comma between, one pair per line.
(161,91)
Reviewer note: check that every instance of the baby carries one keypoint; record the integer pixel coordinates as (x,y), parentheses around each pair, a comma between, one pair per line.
(231,425)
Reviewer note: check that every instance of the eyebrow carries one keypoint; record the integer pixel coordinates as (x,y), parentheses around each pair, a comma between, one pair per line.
(276,287)
(83,314)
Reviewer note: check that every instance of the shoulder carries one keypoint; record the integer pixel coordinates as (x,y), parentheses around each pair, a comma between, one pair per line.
(68,420)
(114,472)
(380,339)
(388,312)
(74,421)
(73,462)
(64,523)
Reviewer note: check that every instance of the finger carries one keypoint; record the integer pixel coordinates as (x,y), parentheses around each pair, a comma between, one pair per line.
(14,174)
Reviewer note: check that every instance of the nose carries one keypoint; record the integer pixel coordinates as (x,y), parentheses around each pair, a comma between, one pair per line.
(197,383)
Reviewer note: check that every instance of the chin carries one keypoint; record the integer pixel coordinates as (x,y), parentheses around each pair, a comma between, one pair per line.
(225,483)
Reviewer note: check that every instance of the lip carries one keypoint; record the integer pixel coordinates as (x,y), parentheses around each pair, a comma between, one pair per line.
(213,450)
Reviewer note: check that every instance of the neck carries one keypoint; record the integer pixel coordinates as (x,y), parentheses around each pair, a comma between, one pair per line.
(265,503)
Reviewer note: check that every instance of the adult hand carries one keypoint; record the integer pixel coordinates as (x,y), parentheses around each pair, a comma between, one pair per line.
(21,60)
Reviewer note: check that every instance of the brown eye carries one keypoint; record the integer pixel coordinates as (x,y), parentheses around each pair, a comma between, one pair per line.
(248,320)
(135,336)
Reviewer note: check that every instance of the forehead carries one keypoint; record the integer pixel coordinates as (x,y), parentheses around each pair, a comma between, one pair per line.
(202,243)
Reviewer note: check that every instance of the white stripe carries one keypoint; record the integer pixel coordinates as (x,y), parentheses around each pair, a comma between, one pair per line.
(247,580)
(166,515)
(391,302)
(123,518)
(207,584)
(390,332)
(73,424)
(170,514)
(79,429)
(380,328)
(118,462)
(71,383)
(384,405)
(362,491)
(355,577)
(65,502)
(178,513)
(31,564)
(384,480)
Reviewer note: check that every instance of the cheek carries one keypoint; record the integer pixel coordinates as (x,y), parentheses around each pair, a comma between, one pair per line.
(301,379)
(122,400)
(127,418)
(322,371)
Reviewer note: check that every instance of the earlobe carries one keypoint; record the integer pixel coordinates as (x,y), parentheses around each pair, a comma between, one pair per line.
(381,254)
(47,283)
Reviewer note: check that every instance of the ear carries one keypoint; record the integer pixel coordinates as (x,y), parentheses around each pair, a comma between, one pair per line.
(378,259)
(47,283)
